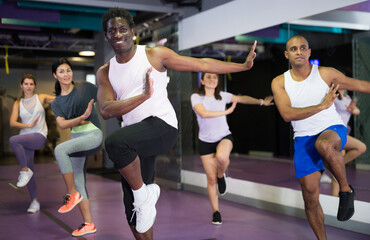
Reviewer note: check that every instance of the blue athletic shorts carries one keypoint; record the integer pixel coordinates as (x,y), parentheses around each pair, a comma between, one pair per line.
(306,158)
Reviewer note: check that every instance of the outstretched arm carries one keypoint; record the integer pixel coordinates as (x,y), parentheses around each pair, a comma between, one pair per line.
(46,98)
(332,75)
(289,113)
(253,101)
(163,58)
(108,106)
(204,113)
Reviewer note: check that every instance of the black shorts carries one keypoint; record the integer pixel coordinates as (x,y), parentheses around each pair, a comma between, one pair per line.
(208,148)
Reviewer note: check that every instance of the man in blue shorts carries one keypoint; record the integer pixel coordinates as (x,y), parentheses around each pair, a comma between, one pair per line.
(304,96)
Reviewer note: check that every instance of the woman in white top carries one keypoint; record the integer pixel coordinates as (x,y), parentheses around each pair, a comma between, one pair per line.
(346,107)
(215,139)
(32,135)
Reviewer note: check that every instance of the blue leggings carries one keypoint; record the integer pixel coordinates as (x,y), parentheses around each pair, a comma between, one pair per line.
(71,156)
(24,147)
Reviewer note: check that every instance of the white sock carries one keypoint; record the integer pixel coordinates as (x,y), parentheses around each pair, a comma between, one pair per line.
(140,195)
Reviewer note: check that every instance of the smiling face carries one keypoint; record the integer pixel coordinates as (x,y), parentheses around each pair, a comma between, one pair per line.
(297,51)
(210,80)
(119,35)
(28,86)
(64,74)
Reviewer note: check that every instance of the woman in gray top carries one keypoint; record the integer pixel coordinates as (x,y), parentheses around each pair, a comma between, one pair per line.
(73,108)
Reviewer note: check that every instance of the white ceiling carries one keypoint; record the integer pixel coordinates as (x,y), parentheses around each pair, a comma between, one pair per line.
(244,16)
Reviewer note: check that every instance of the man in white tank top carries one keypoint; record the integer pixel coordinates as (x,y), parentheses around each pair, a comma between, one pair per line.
(304,96)
(132,85)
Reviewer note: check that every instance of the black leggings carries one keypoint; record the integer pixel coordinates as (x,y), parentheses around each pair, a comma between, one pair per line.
(145,139)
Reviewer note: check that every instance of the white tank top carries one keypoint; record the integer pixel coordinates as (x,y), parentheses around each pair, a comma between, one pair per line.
(29,109)
(128,80)
(310,92)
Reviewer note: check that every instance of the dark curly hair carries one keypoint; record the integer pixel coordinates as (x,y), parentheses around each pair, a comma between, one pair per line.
(117,12)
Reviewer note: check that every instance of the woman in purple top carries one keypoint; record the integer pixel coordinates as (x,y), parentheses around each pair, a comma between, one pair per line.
(215,138)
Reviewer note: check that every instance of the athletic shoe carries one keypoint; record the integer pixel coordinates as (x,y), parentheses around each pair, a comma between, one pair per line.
(346,205)
(24,178)
(216,218)
(221,185)
(145,211)
(325,178)
(34,207)
(85,228)
(70,201)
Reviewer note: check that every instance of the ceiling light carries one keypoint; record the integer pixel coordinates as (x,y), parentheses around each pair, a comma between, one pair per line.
(87,53)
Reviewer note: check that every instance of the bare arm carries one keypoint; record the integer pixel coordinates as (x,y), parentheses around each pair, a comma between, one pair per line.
(253,101)
(289,113)
(163,58)
(13,121)
(204,113)
(46,98)
(332,75)
(64,123)
(108,106)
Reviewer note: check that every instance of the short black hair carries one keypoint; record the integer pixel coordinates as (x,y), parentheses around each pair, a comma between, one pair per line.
(117,12)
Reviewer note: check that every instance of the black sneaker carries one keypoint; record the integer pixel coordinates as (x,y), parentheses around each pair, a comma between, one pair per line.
(217,218)
(346,205)
(221,185)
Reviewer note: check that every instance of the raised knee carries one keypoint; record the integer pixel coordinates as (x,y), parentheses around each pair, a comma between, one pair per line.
(58,150)
(323,145)
(12,141)
(363,148)
(222,159)
(111,146)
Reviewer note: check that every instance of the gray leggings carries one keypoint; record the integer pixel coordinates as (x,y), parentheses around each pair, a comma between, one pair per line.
(71,156)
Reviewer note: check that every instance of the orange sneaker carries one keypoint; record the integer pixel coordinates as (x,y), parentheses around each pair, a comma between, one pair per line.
(84,229)
(70,201)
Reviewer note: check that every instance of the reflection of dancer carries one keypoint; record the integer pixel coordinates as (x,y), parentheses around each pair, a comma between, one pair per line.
(305,95)
(215,138)
(127,89)
(32,135)
(73,108)
(346,107)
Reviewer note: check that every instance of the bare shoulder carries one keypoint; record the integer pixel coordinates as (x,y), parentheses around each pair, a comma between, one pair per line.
(104,68)
(330,74)
(158,56)
(157,51)
(102,73)
(16,103)
(278,81)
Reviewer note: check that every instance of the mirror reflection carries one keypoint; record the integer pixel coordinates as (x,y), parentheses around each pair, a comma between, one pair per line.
(263,142)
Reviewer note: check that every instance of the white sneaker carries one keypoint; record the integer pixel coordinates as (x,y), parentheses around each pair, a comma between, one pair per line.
(24,178)
(34,207)
(325,178)
(145,211)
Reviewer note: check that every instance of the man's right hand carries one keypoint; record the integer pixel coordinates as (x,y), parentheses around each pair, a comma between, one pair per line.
(330,96)
(149,83)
